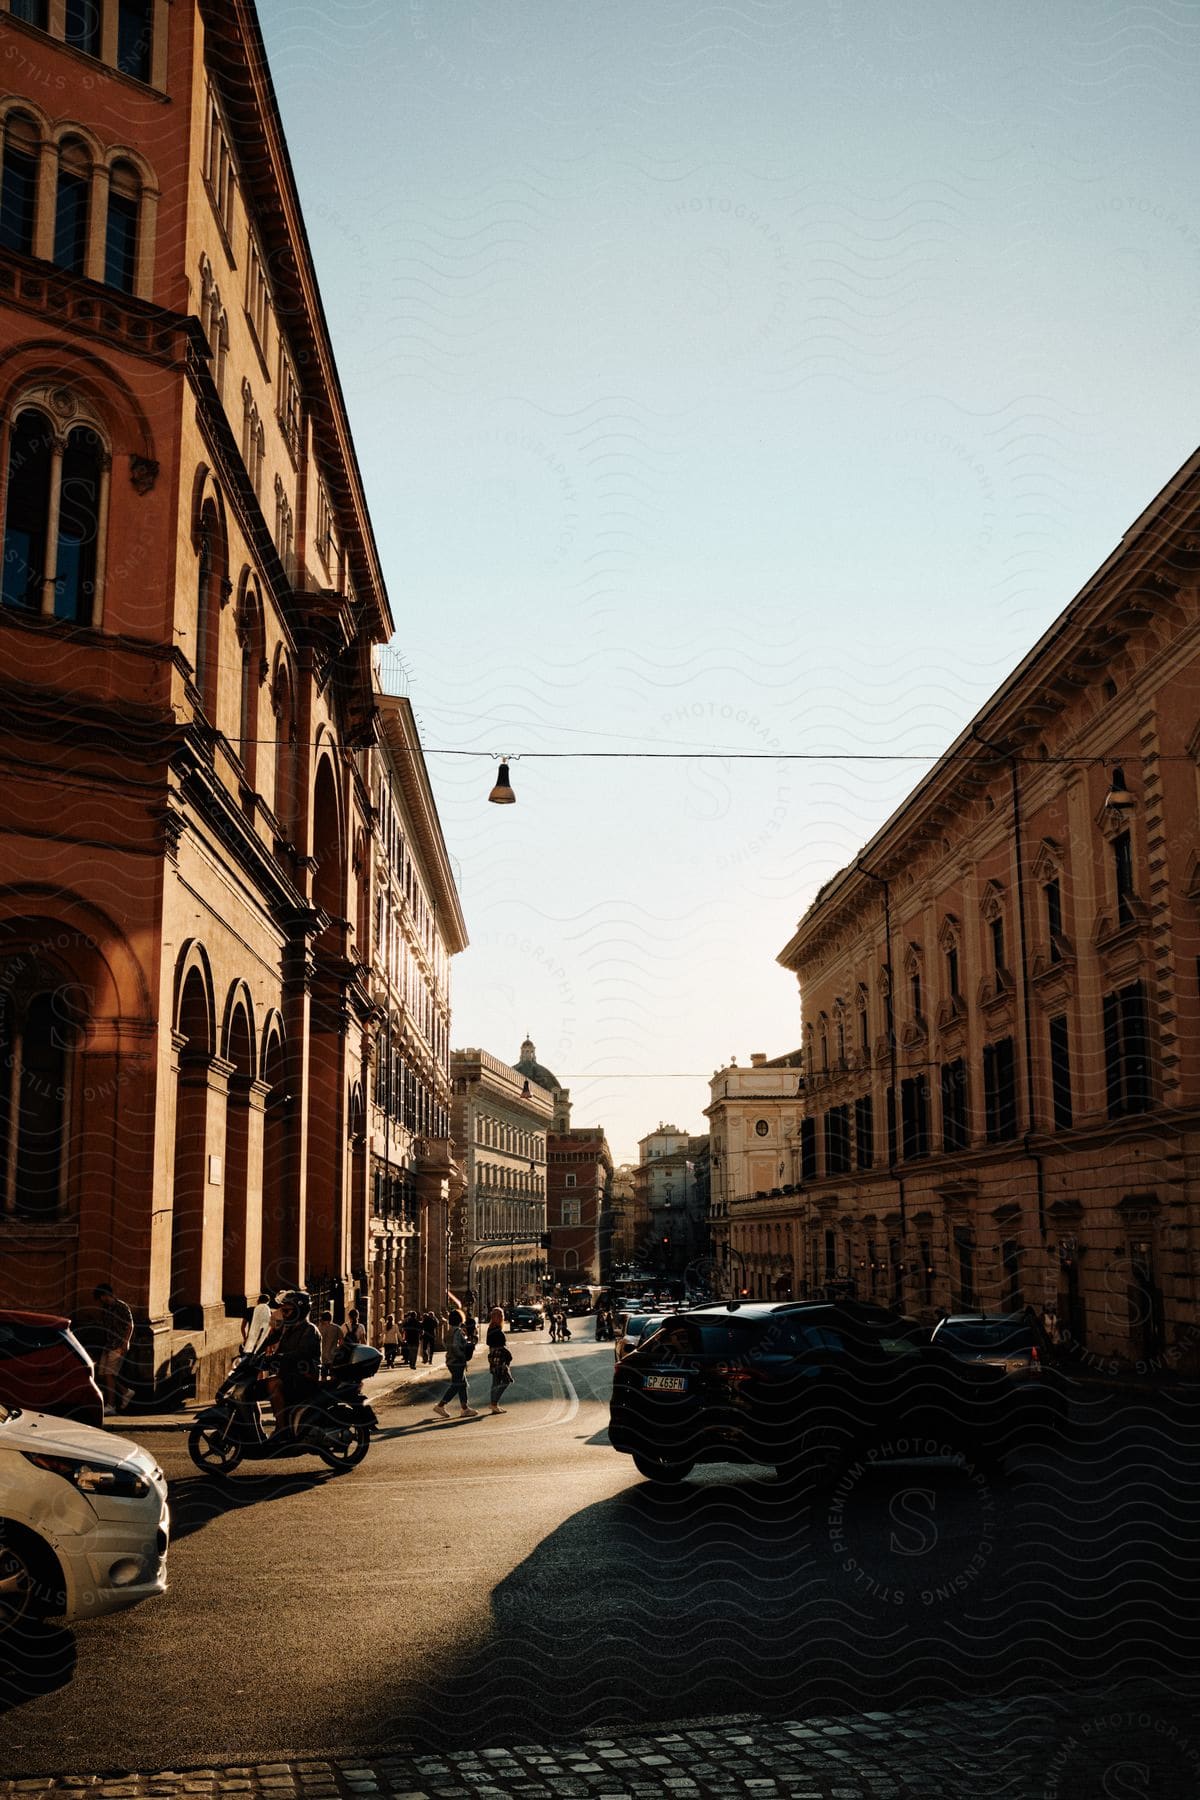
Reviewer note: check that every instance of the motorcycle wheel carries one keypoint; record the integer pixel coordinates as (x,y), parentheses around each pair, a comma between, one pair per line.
(212,1452)
(350,1454)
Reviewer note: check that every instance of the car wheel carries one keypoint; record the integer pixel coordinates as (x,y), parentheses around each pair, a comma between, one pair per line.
(668,1473)
(25,1590)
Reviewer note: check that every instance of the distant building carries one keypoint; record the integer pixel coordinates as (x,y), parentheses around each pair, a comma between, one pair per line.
(628,1227)
(579,1170)
(500,1122)
(753,1117)
(665,1186)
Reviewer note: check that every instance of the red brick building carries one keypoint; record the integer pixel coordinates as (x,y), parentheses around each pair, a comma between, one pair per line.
(191,593)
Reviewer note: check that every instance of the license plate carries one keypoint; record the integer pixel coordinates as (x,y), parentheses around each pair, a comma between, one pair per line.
(667,1384)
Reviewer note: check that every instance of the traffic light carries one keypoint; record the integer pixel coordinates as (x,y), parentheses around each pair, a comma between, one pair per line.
(666,1241)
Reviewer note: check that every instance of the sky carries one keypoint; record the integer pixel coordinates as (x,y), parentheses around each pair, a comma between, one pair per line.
(757,379)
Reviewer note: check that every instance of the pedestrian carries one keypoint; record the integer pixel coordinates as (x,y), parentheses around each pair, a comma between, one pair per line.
(429,1331)
(564,1328)
(458,1355)
(391,1340)
(256,1326)
(554,1328)
(330,1336)
(412,1338)
(499,1357)
(114,1336)
(353,1332)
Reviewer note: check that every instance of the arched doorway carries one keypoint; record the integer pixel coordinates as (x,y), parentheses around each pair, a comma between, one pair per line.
(193,1047)
(238,1265)
(280,1207)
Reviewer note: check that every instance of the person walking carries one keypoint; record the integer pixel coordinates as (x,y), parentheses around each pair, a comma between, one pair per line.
(115,1334)
(458,1355)
(412,1338)
(353,1331)
(391,1340)
(499,1357)
(331,1333)
(553,1327)
(429,1331)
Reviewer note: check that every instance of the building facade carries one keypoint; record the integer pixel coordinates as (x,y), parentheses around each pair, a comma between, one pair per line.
(753,1118)
(1000,1007)
(417,927)
(579,1170)
(190,604)
(500,1121)
(629,1229)
(665,1186)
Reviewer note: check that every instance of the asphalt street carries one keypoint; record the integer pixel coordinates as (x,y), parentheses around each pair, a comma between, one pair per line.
(511,1578)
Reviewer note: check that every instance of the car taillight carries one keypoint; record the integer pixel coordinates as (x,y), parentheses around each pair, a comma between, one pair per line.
(1035,1360)
(733,1372)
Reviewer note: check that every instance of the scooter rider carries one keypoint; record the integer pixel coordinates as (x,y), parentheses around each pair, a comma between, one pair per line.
(294,1354)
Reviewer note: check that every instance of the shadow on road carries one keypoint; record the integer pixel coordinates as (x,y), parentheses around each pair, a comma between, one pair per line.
(37,1659)
(196,1500)
(901,1582)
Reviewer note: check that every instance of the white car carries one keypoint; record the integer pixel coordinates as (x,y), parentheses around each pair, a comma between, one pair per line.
(84,1522)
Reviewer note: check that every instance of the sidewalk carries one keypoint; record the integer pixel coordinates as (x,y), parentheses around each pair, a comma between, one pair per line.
(1134,1741)
(377,1390)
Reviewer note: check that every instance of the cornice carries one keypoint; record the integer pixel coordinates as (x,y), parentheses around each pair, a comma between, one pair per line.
(1137,585)
(402,747)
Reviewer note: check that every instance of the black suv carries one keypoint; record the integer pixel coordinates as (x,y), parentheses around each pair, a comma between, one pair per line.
(803,1386)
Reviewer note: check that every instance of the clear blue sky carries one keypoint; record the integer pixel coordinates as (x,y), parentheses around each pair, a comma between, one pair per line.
(759,377)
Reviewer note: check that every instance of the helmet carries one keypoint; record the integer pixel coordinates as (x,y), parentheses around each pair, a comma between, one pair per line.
(297,1299)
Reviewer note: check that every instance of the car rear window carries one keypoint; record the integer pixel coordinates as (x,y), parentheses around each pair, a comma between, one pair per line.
(23,1340)
(992,1338)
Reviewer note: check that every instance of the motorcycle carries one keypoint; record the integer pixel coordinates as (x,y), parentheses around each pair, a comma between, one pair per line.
(332,1421)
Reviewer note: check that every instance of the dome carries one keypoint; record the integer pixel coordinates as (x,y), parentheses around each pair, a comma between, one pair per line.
(532,1070)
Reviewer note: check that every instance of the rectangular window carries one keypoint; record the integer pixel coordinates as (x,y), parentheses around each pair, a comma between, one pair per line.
(82,26)
(33,12)
(1000,1091)
(120,242)
(952,970)
(954,1106)
(1122,849)
(889,1014)
(830,1256)
(864,1029)
(914,1116)
(864,1131)
(218,170)
(570,1212)
(891,1125)
(837,1140)
(569,1181)
(289,424)
(1053,897)
(997,931)
(964,1256)
(1127,1052)
(1060,1073)
(135,30)
(808,1149)
(258,297)
(927,1270)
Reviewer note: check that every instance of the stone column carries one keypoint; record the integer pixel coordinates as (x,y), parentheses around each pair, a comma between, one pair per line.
(46,214)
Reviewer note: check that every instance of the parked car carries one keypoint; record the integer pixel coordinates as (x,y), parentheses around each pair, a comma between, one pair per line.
(526,1318)
(803,1386)
(1015,1342)
(84,1523)
(631,1328)
(44,1367)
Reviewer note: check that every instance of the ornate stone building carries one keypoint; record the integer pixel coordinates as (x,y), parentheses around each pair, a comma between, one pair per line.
(417,927)
(500,1120)
(579,1170)
(1000,1009)
(191,596)
(752,1119)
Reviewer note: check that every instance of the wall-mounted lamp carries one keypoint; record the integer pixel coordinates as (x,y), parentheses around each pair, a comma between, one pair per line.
(502,794)
(1118,797)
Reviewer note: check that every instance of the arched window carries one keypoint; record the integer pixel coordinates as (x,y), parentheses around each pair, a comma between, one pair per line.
(82,26)
(18,183)
(79,527)
(71,205)
(41,1021)
(135,37)
(212,589)
(27,518)
(284,802)
(251,641)
(121,237)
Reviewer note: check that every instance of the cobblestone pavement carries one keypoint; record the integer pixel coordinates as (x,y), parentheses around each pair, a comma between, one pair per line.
(1085,1747)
